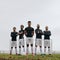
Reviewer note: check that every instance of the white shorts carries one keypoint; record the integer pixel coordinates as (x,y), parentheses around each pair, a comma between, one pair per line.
(38,42)
(47,43)
(21,42)
(13,43)
(29,40)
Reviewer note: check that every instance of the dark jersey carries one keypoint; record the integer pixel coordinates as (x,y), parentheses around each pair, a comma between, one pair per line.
(47,35)
(14,36)
(39,33)
(29,31)
(21,35)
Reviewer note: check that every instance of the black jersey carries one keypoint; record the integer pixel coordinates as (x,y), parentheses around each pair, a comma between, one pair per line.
(39,33)
(47,35)
(14,36)
(21,35)
(29,31)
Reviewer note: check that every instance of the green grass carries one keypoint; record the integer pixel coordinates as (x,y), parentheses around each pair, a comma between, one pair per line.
(29,57)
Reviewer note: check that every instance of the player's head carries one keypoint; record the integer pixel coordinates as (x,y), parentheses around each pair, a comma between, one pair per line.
(14,29)
(46,28)
(22,26)
(38,26)
(29,23)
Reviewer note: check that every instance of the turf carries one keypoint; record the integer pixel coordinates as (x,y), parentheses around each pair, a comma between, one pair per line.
(29,57)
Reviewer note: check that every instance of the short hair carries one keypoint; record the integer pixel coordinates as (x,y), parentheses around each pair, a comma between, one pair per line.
(22,26)
(29,21)
(46,27)
(38,25)
(14,27)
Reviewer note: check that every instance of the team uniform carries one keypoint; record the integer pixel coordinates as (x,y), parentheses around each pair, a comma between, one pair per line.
(38,41)
(14,40)
(29,36)
(47,42)
(21,40)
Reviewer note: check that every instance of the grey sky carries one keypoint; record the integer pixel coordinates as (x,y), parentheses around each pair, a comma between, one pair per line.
(17,12)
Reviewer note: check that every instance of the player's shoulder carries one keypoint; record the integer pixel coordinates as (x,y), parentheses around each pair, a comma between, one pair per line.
(44,31)
(49,31)
(40,29)
(32,28)
(11,32)
(15,32)
(26,28)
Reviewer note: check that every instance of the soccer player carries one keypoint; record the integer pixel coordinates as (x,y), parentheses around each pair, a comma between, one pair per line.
(38,41)
(21,38)
(47,42)
(29,32)
(14,40)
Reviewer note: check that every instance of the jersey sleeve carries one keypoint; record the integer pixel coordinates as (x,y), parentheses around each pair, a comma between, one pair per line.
(49,33)
(32,29)
(25,29)
(11,34)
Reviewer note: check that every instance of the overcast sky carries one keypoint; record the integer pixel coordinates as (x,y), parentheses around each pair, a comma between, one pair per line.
(17,12)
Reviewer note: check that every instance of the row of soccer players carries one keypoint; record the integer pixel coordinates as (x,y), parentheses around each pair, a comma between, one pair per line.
(29,33)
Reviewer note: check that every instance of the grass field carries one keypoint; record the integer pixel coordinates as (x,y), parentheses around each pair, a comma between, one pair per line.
(29,57)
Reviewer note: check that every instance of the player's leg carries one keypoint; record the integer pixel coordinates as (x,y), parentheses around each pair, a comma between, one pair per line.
(35,49)
(20,47)
(31,42)
(19,50)
(49,51)
(36,46)
(11,50)
(12,44)
(27,49)
(44,49)
(15,43)
(23,48)
(27,46)
(40,45)
(45,46)
(32,48)
(23,43)
(16,50)
(40,49)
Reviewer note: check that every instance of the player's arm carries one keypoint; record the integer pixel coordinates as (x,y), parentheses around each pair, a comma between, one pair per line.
(32,32)
(16,33)
(20,33)
(49,33)
(41,33)
(11,34)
